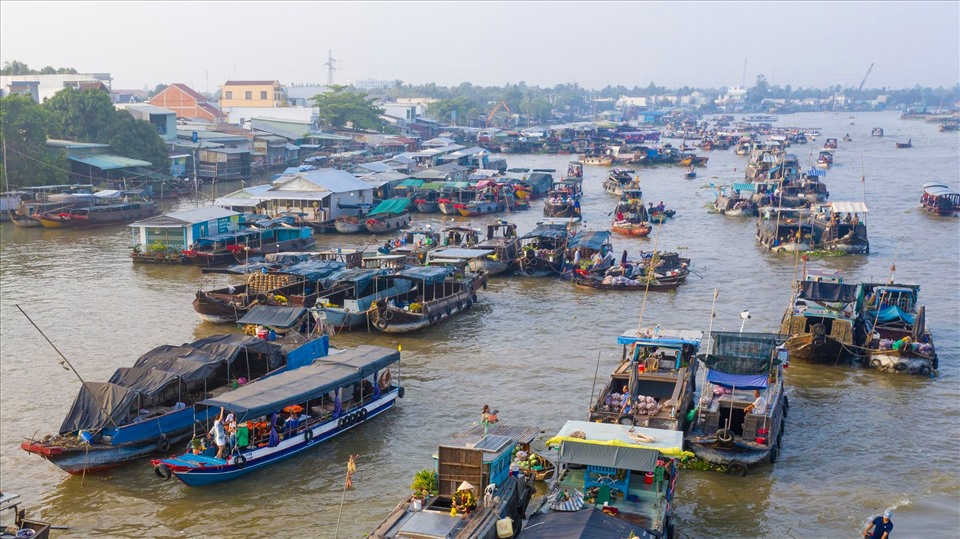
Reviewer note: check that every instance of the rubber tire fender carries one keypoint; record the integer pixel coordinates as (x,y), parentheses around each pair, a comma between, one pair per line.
(725,435)
(925,370)
(401,391)
(875,363)
(163,444)
(786,405)
(387,315)
(342,423)
(626,419)
(163,472)
(737,468)
(308,435)
(363,414)
(240,461)
(381,324)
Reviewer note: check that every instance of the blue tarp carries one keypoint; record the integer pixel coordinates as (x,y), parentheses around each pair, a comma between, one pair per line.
(429,274)
(739,381)
(594,239)
(891,314)
(359,276)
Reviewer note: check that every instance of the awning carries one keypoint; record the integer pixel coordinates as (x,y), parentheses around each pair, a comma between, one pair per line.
(594,240)
(428,274)
(816,291)
(461,253)
(589,523)
(669,338)
(310,382)
(739,381)
(849,207)
(393,205)
(273,316)
(611,445)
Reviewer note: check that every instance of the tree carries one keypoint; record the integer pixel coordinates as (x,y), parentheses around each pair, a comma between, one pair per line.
(24,128)
(537,109)
(443,110)
(19,68)
(340,107)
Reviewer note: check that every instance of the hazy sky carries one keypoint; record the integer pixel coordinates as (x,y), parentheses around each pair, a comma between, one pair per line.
(700,44)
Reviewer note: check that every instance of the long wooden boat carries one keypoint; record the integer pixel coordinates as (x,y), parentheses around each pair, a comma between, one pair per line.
(228,304)
(439,293)
(476,260)
(475,494)
(742,369)
(348,294)
(892,329)
(151,407)
(21,526)
(389,215)
(820,319)
(653,384)
(100,215)
(482,207)
(598,160)
(542,251)
(350,224)
(364,389)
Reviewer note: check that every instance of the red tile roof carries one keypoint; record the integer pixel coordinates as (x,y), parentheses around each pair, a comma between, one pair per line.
(249,82)
(189,91)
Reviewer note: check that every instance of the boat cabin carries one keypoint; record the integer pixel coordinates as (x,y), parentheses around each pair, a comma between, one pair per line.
(876,132)
(939,199)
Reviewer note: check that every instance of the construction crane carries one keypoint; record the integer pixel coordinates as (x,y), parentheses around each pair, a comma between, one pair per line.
(864,81)
(500,105)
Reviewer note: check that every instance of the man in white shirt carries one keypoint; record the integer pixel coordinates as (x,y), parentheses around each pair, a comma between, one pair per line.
(759,406)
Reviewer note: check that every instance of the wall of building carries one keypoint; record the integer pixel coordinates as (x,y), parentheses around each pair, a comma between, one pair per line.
(253,95)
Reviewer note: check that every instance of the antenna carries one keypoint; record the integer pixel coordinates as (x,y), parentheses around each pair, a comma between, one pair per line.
(330,67)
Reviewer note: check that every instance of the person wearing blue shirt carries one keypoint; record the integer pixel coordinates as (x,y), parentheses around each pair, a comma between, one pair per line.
(882,526)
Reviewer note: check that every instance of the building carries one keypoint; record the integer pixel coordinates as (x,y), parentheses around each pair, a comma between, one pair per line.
(164,120)
(186,103)
(373,84)
(92,163)
(48,85)
(180,230)
(252,93)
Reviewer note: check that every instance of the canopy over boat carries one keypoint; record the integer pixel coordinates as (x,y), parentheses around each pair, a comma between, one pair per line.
(551,231)
(821,291)
(615,446)
(668,338)
(393,205)
(306,383)
(591,523)
(315,270)
(937,189)
(359,276)
(592,239)
(275,316)
(461,253)
(848,207)
(428,274)
(742,360)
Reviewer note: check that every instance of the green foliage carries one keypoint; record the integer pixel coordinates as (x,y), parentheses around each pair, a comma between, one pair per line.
(19,68)
(341,106)
(424,482)
(24,128)
(464,106)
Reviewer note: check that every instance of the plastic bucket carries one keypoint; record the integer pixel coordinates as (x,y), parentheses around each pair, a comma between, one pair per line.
(763,431)
(273,335)
(761,440)
(648,478)
(263,334)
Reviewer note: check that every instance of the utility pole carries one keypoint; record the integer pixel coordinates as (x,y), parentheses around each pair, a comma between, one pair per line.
(330,67)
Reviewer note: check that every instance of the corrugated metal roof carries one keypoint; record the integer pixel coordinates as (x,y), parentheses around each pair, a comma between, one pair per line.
(664,337)
(520,433)
(109,162)
(185,217)
(333,180)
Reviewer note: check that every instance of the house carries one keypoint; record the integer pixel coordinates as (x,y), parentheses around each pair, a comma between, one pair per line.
(252,93)
(180,230)
(301,95)
(92,163)
(48,85)
(443,173)
(320,196)
(187,103)
(164,120)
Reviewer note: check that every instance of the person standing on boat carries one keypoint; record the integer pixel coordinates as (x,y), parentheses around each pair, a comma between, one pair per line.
(758,407)
(882,526)
(219,434)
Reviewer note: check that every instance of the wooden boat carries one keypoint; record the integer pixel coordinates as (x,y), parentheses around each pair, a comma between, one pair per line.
(229,304)
(741,368)
(629,475)
(575,169)
(598,160)
(350,224)
(477,208)
(620,179)
(542,251)
(731,201)
(834,233)
(276,236)
(949,127)
(475,495)
(907,144)
(939,199)
(151,407)
(564,199)
(892,329)
(830,144)
(475,259)
(502,240)
(876,132)
(414,243)
(389,215)
(101,215)
(784,230)
(821,319)
(439,293)
(364,389)
(658,369)
(630,215)
(348,294)
(824,160)
(20,526)
(690,174)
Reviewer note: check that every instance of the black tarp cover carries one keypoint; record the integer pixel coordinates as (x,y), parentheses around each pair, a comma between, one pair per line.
(588,523)
(87,412)
(276,316)
(818,291)
(229,346)
(148,382)
(547,231)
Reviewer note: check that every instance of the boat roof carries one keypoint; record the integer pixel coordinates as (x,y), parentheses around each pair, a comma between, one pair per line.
(325,374)
(848,207)
(276,316)
(521,433)
(669,338)
(588,523)
(429,274)
(590,239)
(547,230)
(456,252)
(393,205)
(937,189)
(611,445)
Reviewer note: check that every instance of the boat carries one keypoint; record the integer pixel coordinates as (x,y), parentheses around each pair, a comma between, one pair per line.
(659,213)
(414,243)
(821,318)
(425,198)
(784,230)
(654,272)
(830,144)
(564,199)
(350,224)
(391,214)
(278,235)
(575,169)
(630,215)
(620,179)
(8,203)
(328,397)
(835,232)
(454,194)
(469,493)
(892,329)
(348,294)
(597,159)
(763,118)
(502,240)
(150,407)
(690,174)
(229,247)
(99,215)
(731,202)
(629,473)
(293,285)
(907,144)
(48,199)
(742,368)
(824,160)
(656,375)
(542,250)
(947,127)
(876,132)
(21,526)
(939,199)
(847,138)
(438,293)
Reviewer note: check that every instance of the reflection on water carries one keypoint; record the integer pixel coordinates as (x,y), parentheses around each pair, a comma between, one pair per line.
(530,348)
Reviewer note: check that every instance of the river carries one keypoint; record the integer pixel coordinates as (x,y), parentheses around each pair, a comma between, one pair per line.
(857,441)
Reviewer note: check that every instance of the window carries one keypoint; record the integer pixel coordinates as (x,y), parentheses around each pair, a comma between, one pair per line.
(229,95)
(248,95)
(263,95)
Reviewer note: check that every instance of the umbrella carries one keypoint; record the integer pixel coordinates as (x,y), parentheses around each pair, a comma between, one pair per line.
(465,486)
